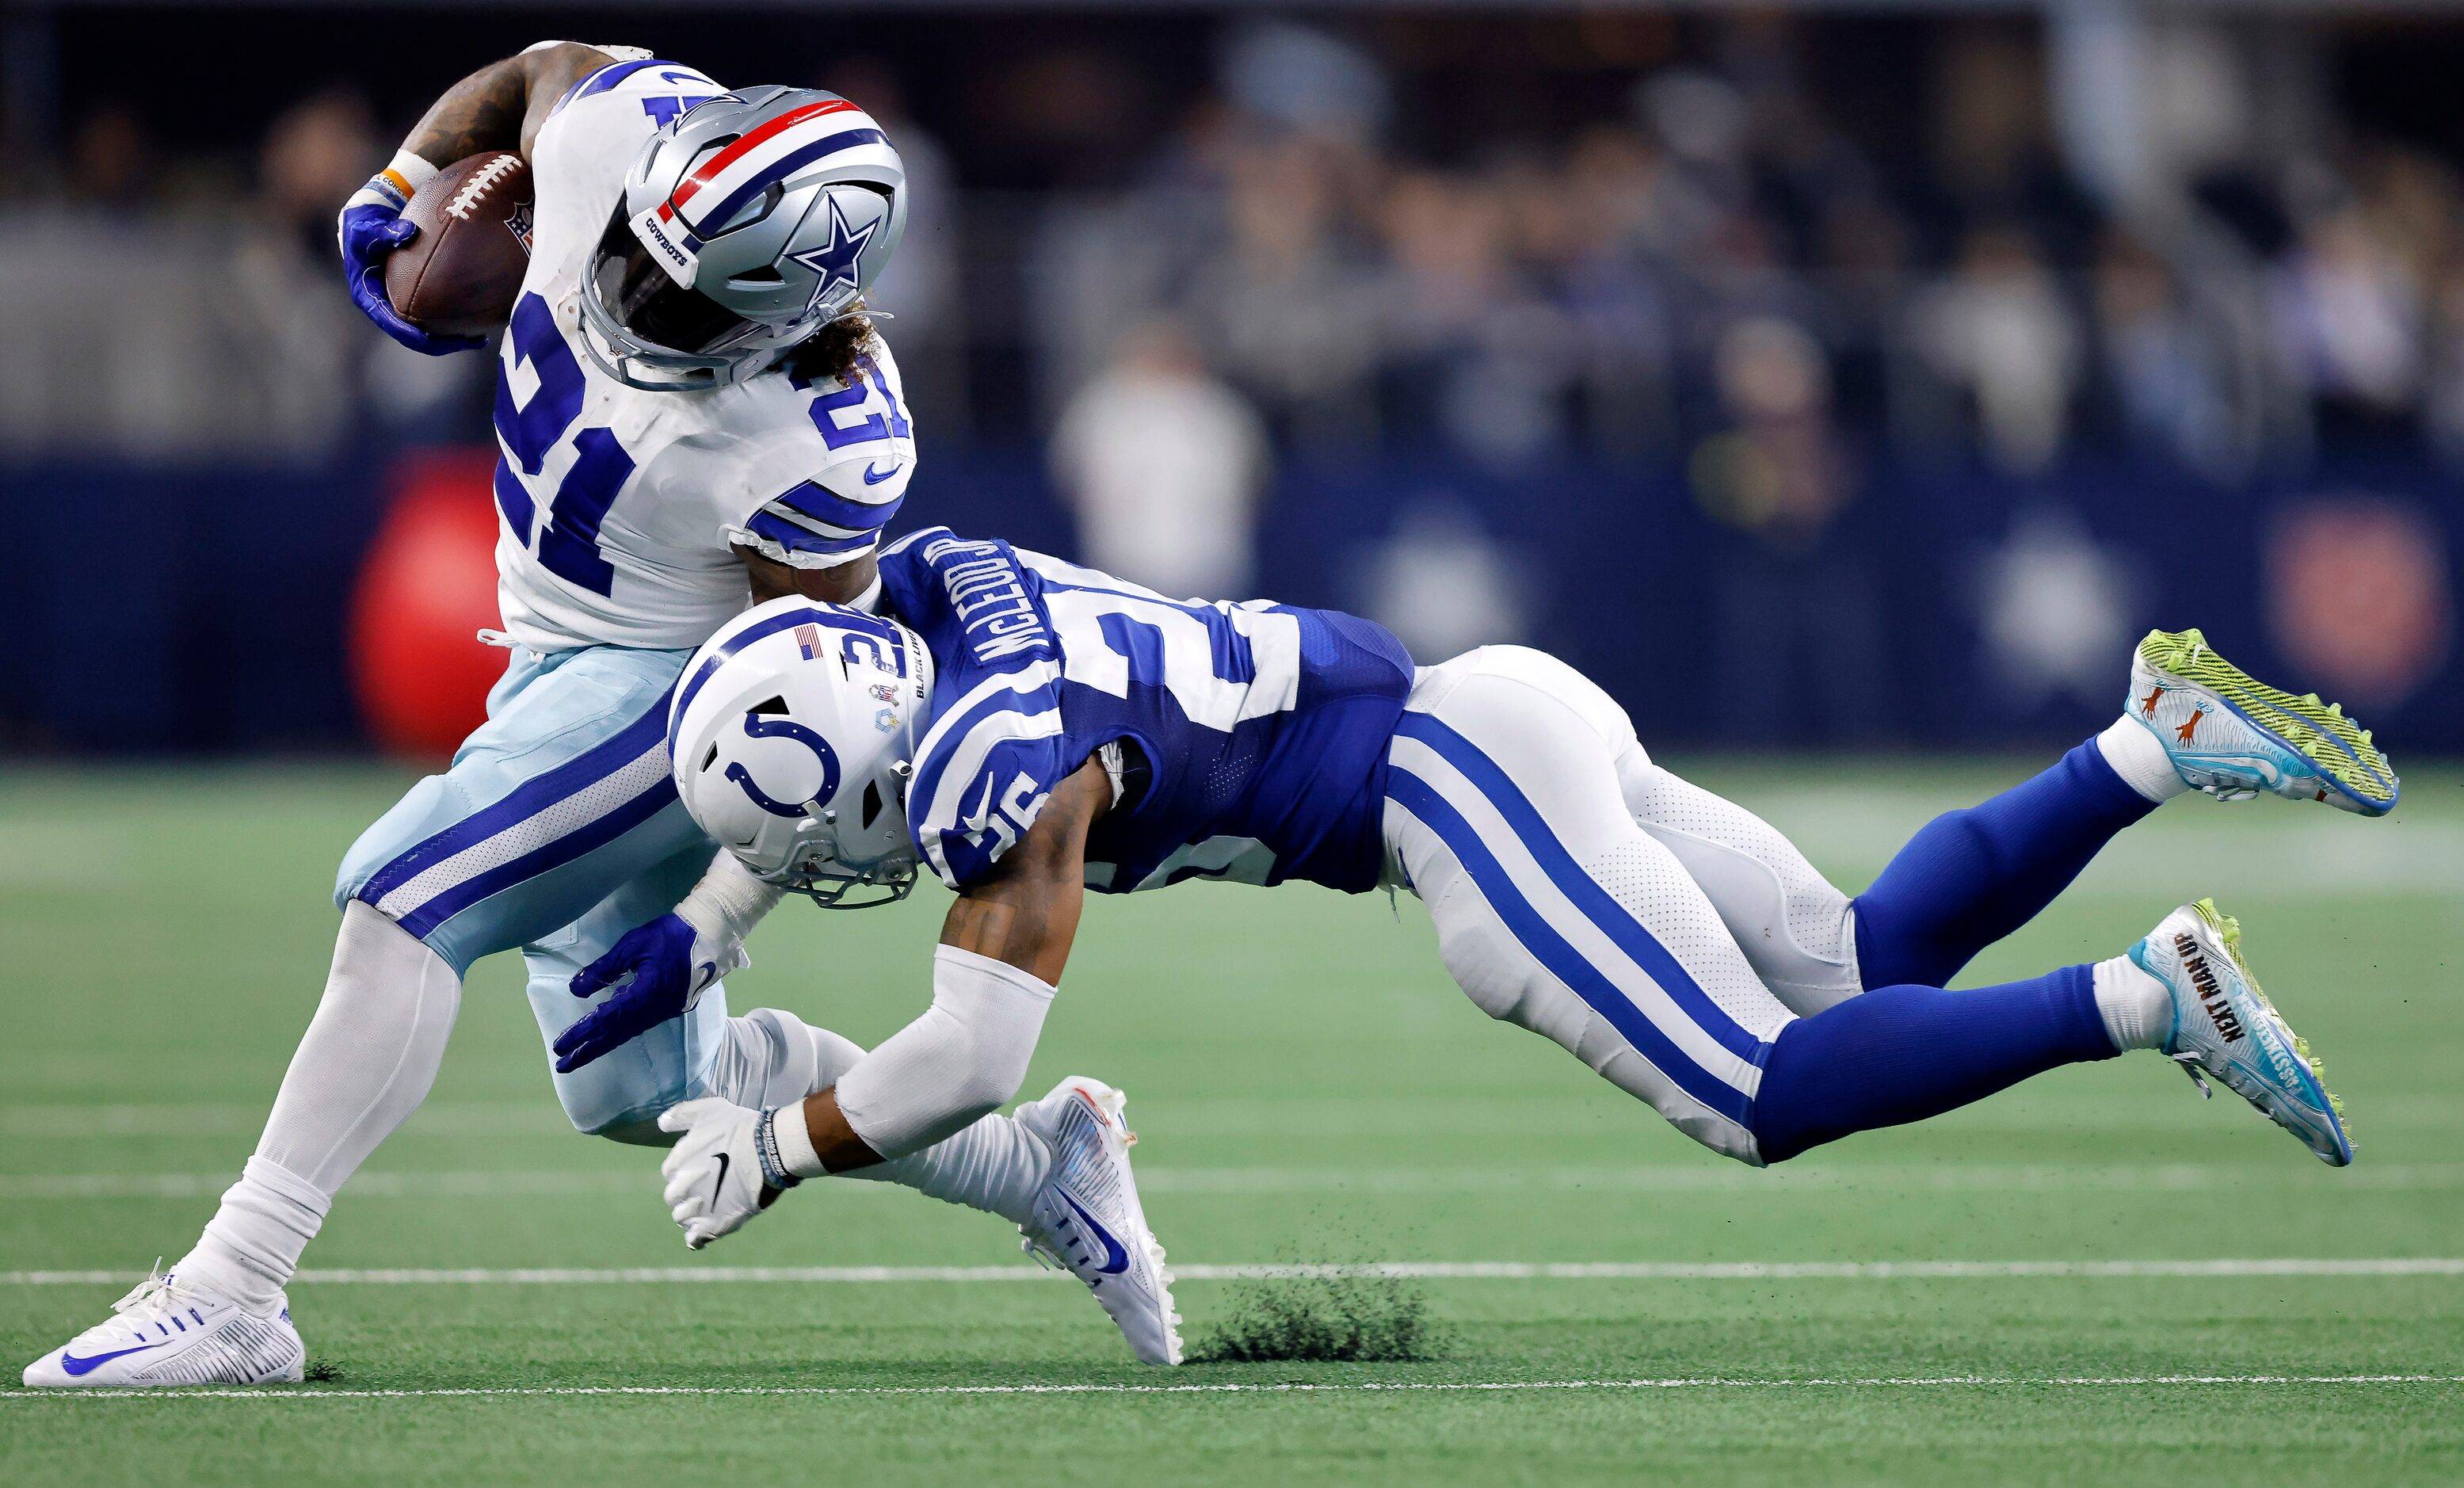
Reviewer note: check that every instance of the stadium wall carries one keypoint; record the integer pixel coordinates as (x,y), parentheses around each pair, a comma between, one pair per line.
(202,610)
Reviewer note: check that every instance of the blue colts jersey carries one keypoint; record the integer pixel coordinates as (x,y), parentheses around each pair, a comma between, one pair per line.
(1253,736)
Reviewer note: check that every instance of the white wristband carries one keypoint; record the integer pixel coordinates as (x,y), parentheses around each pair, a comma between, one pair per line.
(401,180)
(793,1142)
(721,911)
(392,187)
(728,902)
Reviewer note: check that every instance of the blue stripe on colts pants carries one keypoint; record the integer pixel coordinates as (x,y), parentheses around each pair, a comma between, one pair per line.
(1551,949)
(1598,903)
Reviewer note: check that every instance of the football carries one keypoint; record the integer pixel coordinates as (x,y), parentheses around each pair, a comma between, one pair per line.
(462,274)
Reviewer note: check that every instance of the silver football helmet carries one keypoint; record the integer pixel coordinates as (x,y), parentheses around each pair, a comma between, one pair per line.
(794,737)
(748,223)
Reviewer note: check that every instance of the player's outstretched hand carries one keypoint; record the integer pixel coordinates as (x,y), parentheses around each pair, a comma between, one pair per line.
(661,969)
(713,1172)
(370,230)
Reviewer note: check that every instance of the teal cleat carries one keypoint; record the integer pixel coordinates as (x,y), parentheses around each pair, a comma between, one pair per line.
(2234,737)
(2223,1025)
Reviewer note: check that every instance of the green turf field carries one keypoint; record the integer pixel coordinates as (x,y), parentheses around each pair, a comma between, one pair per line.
(1311,1088)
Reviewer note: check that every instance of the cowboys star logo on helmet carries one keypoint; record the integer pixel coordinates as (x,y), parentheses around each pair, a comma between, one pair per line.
(834,263)
(746,223)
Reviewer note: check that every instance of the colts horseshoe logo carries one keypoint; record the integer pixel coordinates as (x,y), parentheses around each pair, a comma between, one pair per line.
(760,728)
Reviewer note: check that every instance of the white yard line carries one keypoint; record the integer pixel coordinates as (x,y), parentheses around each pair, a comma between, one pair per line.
(1930,1178)
(1359,1387)
(1410,1270)
(1315,1118)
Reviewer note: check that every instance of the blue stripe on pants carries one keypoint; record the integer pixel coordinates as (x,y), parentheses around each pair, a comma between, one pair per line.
(562,799)
(1551,948)
(1597,904)
(596,834)
(527,800)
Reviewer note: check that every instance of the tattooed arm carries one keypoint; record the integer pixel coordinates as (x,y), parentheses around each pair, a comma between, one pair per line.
(501,106)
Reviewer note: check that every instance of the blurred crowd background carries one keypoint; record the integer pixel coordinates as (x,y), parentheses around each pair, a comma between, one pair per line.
(1830,377)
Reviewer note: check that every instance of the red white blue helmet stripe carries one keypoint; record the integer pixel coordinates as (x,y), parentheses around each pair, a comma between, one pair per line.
(720,186)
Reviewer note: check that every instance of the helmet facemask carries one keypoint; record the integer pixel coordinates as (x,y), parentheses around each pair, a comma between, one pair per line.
(814,869)
(651,322)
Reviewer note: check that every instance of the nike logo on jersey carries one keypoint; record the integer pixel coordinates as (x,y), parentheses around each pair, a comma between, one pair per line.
(1116,1257)
(873,477)
(975,825)
(75,1365)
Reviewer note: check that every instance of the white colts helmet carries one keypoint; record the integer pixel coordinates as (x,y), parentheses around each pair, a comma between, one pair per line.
(794,737)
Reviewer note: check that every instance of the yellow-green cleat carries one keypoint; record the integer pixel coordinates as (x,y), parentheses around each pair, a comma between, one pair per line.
(2234,736)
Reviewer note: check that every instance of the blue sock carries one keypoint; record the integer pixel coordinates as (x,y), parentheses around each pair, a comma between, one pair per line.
(1972,876)
(1902,1054)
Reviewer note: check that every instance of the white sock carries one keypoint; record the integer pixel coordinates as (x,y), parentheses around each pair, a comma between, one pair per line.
(366,1062)
(252,1244)
(2139,758)
(995,1165)
(2137,1008)
(774,1059)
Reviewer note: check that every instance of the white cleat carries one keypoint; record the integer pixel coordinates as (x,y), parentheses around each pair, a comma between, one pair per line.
(2223,1025)
(169,1333)
(1088,1218)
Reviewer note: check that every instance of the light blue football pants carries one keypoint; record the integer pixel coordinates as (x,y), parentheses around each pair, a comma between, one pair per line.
(556,829)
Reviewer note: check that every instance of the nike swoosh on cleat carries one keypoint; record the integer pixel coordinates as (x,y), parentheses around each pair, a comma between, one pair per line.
(870,479)
(1116,1257)
(74,1365)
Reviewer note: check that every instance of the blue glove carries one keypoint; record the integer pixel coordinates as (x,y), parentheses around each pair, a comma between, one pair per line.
(658,970)
(370,230)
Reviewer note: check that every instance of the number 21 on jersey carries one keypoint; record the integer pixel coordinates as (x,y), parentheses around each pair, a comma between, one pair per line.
(567,539)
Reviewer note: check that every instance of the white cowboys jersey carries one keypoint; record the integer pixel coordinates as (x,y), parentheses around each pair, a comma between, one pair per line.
(618,507)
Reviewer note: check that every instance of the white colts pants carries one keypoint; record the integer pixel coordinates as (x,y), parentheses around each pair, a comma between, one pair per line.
(1662,935)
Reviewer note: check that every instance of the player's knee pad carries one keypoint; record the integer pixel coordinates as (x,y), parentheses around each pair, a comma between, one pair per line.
(1774,926)
(1499,976)
(621,1095)
(602,1109)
